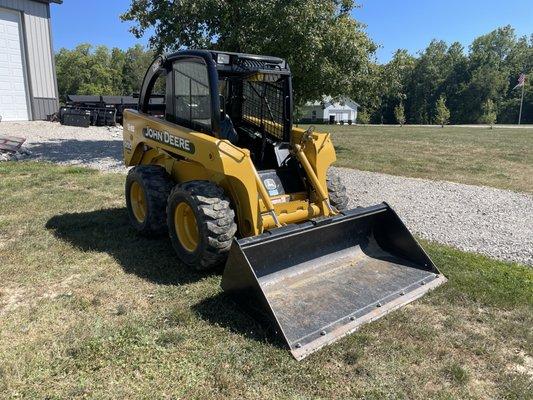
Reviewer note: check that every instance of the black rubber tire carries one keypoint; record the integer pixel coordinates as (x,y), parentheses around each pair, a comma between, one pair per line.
(337,191)
(215,219)
(157,185)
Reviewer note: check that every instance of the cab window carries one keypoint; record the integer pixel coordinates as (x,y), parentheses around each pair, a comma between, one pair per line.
(192,103)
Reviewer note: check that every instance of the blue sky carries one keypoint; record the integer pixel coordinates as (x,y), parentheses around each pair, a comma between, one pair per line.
(393,24)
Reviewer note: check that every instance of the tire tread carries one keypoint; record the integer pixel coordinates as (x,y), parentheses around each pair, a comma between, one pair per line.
(218,220)
(157,185)
(338,196)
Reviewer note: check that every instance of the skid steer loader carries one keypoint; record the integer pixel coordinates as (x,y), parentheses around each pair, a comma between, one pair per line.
(219,166)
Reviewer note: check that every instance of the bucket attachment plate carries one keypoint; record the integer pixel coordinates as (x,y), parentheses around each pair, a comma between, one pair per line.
(320,281)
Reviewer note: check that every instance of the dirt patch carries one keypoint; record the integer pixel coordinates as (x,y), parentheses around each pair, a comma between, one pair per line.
(15,297)
(523,367)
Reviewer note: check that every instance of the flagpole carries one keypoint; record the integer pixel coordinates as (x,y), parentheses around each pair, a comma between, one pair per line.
(521,104)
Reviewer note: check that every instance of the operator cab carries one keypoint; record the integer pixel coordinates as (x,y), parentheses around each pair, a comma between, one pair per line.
(243,98)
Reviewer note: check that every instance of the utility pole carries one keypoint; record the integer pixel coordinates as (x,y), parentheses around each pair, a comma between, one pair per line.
(521,104)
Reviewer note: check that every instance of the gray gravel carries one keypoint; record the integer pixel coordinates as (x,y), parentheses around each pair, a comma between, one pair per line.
(94,147)
(498,223)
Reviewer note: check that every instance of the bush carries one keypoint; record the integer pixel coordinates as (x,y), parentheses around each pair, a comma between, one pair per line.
(442,116)
(399,114)
(363,117)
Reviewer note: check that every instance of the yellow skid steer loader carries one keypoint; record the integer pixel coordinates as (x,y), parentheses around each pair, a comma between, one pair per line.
(218,165)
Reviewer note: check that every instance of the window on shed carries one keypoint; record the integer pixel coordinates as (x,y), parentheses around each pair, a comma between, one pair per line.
(313,115)
(191,91)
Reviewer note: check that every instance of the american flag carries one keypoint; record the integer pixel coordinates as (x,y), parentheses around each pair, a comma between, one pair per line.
(521,81)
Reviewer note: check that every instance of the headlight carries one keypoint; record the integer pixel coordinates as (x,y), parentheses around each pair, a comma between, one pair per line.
(222,58)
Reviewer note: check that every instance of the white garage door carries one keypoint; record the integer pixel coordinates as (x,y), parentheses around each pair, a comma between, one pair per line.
(13,99)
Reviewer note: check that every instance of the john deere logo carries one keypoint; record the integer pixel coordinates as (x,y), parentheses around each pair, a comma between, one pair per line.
(171,140)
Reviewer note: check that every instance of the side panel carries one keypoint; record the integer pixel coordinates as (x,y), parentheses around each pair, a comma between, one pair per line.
(320,152)
(193,155)
(189,155)
(40,56)
(42,107)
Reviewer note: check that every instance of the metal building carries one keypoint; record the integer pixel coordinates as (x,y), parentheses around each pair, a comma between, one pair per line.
(28,84)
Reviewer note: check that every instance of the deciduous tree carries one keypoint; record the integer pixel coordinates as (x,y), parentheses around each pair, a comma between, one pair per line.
(488,113)
(326,47)
(393,88)
(399,114)
(363,117)
(101,71)
(442,114)
(425,83)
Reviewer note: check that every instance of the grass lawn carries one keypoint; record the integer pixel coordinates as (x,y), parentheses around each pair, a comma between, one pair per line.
(501,157)
(90,310)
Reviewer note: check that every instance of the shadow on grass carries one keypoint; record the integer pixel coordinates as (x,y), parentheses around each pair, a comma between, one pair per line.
(86,151)
(222,310)
(109,231)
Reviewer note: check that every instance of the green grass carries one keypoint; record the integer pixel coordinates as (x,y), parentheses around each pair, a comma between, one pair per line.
(90,310)
(499,157)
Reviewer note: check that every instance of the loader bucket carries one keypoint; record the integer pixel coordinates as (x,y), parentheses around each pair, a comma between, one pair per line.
(319,281)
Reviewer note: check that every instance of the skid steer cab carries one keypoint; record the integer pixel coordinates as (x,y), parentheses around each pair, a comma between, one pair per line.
(219,167)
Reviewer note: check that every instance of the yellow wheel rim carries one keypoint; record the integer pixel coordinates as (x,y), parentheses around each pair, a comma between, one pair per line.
(186,227)
(138,202)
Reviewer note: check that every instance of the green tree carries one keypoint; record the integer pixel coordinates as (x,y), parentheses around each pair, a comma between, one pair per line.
(102,79)
(101,71)
(399,114)
(137,62)
(116,65)
(72,69)
(88,70)
(425,83)
(393,78)
(456,82)
(363,117)
(489,71)
(367,90)
(325,46)
(520,60)
(442,114)
(488,114)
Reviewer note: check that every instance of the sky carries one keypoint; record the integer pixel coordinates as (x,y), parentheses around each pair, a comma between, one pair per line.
(392,24)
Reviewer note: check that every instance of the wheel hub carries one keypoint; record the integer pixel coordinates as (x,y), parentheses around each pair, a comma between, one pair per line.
(186,227)
(138,202)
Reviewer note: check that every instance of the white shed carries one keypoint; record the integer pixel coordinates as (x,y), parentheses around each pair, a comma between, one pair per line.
(329,111)
(28,86)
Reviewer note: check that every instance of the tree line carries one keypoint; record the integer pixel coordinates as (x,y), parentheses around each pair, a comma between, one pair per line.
(446,84)
(329,53)
(101,71)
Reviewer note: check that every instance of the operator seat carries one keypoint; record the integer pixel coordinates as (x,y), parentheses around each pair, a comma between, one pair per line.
(227,130)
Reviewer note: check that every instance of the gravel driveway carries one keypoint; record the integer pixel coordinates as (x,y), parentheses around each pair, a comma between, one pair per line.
(95,147)
(495,222)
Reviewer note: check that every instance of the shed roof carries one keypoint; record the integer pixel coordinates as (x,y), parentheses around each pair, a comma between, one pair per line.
(328,100)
